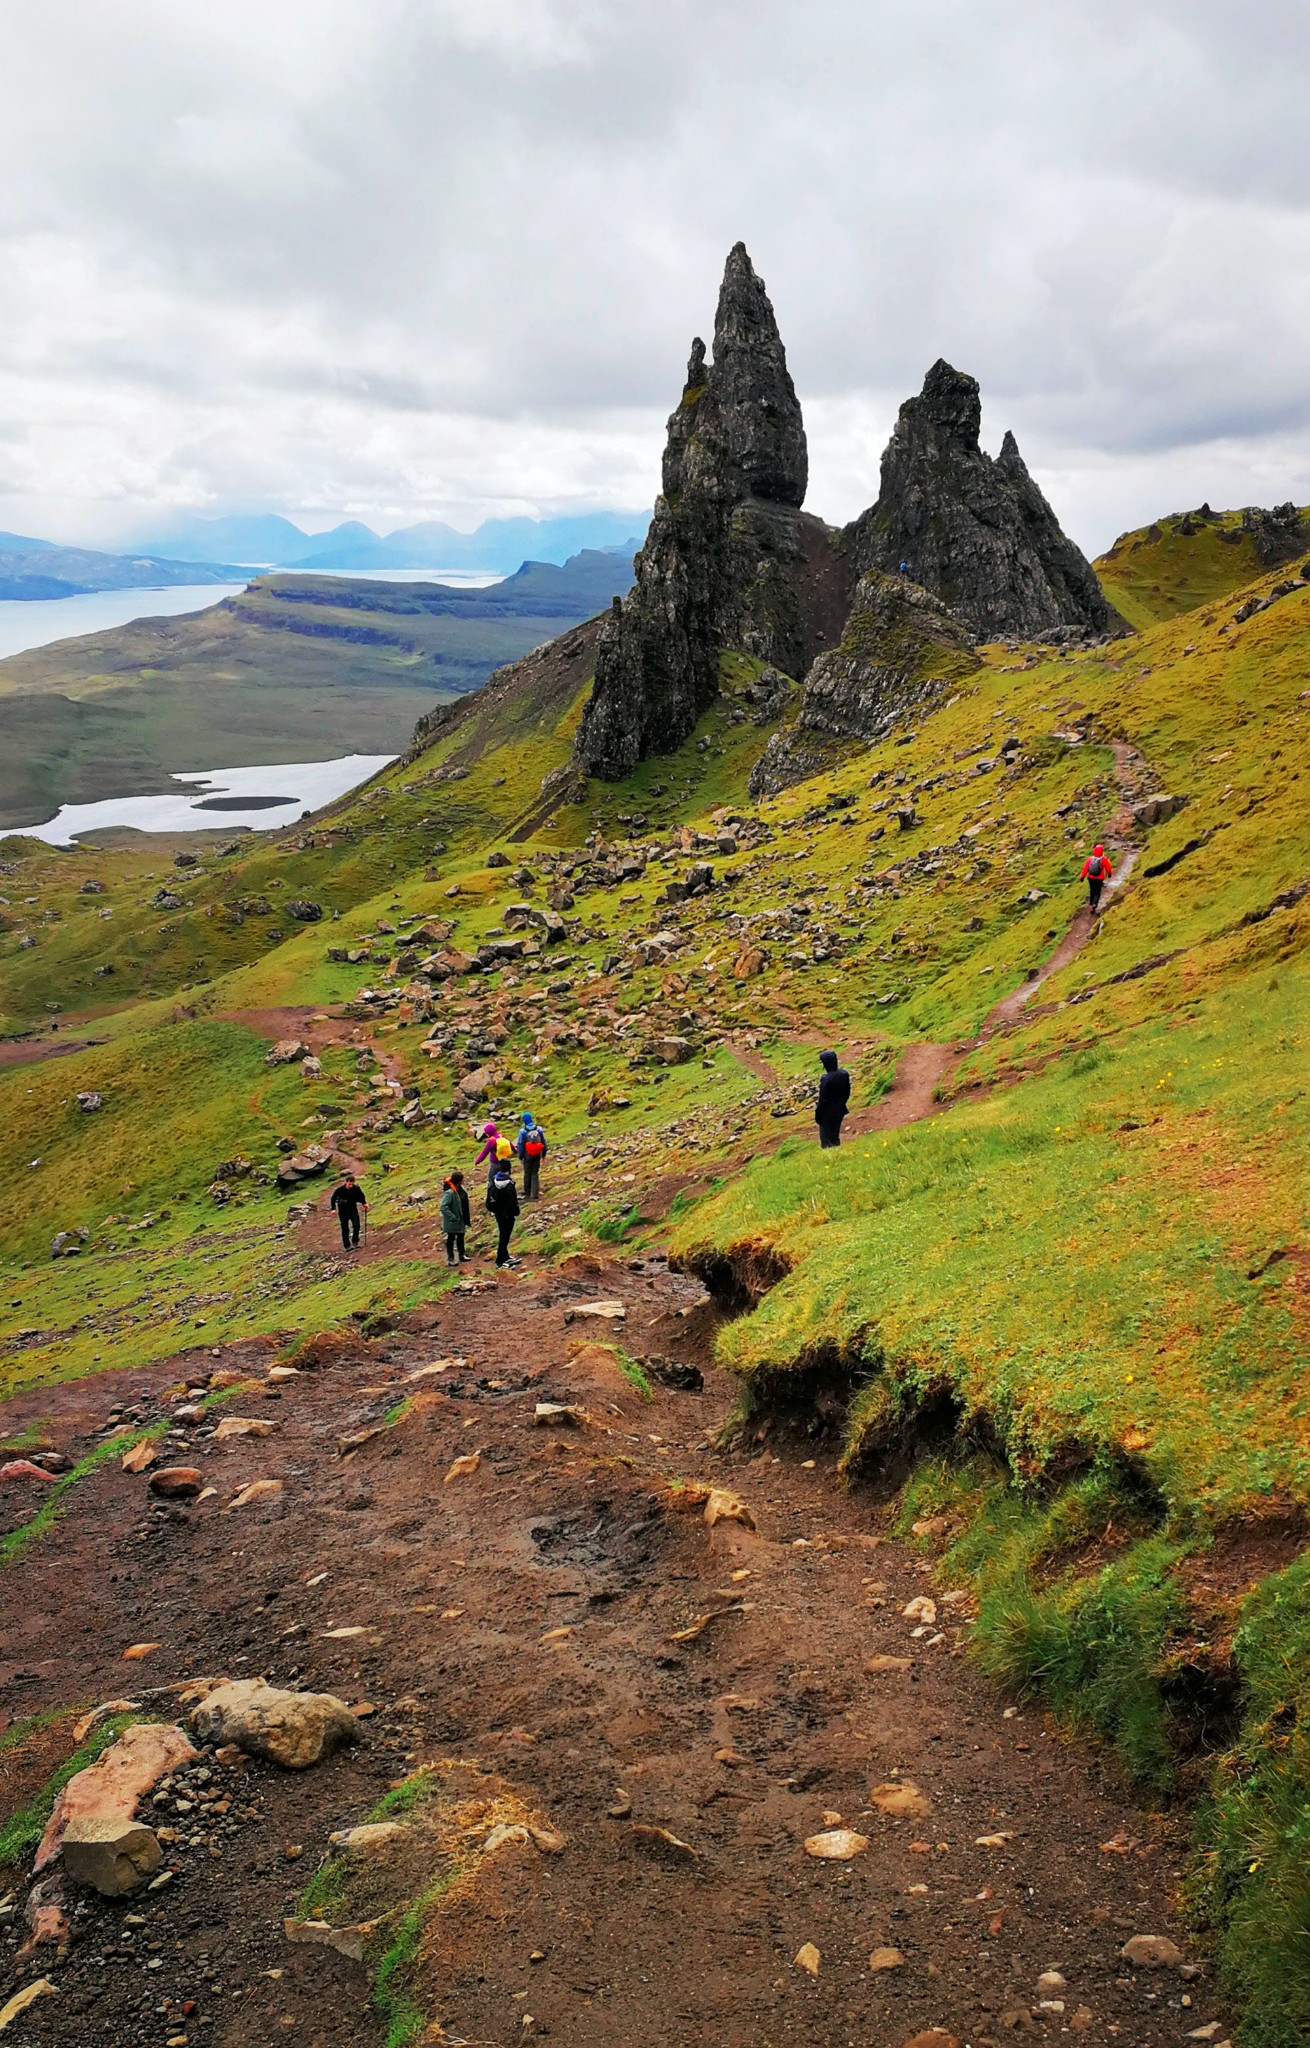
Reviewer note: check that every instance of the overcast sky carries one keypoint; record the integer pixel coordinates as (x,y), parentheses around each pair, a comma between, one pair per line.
(417,258)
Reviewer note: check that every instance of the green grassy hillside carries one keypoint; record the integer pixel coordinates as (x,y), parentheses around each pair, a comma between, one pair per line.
(295,668)
(1178,563)
(1064,1321)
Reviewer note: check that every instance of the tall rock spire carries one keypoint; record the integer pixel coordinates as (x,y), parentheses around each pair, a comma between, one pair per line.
(735,472)
(977,533)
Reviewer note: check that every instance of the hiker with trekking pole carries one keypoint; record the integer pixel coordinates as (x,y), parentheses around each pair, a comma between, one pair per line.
(348,1199)
(1096,872)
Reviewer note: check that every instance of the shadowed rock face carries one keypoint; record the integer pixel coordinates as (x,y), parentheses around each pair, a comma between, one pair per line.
(902,653)
(977,532)
(730,561)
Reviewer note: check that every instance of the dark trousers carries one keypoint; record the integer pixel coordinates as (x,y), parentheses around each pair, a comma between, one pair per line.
(830,1132)
(1094,888)
(349,1221)
(531,1179)
(506,1228)
(455,1246)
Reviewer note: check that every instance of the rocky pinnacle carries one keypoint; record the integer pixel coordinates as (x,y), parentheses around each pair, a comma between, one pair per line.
(735,441)
(977,532)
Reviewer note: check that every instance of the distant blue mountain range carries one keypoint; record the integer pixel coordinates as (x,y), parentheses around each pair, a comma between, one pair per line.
(266,540)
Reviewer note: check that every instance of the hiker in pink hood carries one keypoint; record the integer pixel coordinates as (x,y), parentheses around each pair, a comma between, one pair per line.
(490,1140)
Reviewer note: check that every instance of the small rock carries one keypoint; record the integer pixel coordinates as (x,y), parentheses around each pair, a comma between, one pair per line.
(900,1801)
(347,1941)
(243,1425)
(89,1099)
(257,1490)
(22,1999)
(176,1482)
(138,1652)
(1051,1985)
(921,1609)
(875,1666)
(113,1857)
(294,1729)
(364,1840)
(597,1311)
(139,1457)
(836,1845)
(1151,1952)
(461,1467)
(808,1959)
(724,1506)
(886,1959)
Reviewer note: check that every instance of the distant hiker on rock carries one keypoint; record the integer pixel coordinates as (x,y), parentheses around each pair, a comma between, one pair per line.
(531,1146)
(834,1098)
(456,1216)
(348,1200)
(503,1202)
(1097,870)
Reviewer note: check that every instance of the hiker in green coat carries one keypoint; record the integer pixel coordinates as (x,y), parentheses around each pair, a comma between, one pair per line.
(456,1215)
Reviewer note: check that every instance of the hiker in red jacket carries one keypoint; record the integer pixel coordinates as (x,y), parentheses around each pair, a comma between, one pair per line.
(1097,870)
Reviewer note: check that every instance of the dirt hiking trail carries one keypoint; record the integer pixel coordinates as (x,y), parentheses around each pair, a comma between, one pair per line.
(542,1615)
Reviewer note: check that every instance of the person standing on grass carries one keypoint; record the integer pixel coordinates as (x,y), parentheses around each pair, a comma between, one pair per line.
(531,1147)
(456,1216)
(1097,870)
(348,1199)
(503,1202)
(490,1139)
(833,1100)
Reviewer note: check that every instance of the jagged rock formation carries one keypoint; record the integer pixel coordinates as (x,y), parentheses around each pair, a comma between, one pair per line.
(975,531)
(730,561)
(902,652)
(1278,534)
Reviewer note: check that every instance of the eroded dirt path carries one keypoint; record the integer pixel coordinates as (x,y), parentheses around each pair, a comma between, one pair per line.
(531,1615)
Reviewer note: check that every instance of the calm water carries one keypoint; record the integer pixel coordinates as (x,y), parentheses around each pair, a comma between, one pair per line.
(38,621)
(212,799)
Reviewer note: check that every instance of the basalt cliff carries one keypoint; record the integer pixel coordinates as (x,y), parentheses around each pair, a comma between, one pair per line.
(733,565)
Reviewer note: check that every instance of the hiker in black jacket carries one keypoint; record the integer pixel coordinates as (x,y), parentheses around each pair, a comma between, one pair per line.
(834,1096)
(348,1200)
(503,1202)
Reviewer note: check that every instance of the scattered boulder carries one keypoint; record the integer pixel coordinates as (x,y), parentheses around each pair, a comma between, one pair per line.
(93,1828)
(176,1482)
(672,1372)
(294,1729)
(167,899)
(900,1800)
(286,1052)
(65,1243)
(303,910)
(1152,1952)
(91,887)
(111,1856)
(1155,810)
(89,1099)
(836,1845)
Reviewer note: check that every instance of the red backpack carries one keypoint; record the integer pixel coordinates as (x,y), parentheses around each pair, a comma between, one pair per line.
(534,1146)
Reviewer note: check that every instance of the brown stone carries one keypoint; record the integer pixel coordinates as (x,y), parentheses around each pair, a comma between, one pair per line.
(176,1482)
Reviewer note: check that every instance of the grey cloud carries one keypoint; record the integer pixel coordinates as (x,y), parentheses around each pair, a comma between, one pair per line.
(282,252)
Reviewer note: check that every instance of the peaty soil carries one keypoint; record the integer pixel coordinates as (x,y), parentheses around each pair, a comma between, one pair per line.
(531,1615)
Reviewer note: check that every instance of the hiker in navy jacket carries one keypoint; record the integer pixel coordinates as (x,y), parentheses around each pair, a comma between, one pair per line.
(531,1146)
(834,1097)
